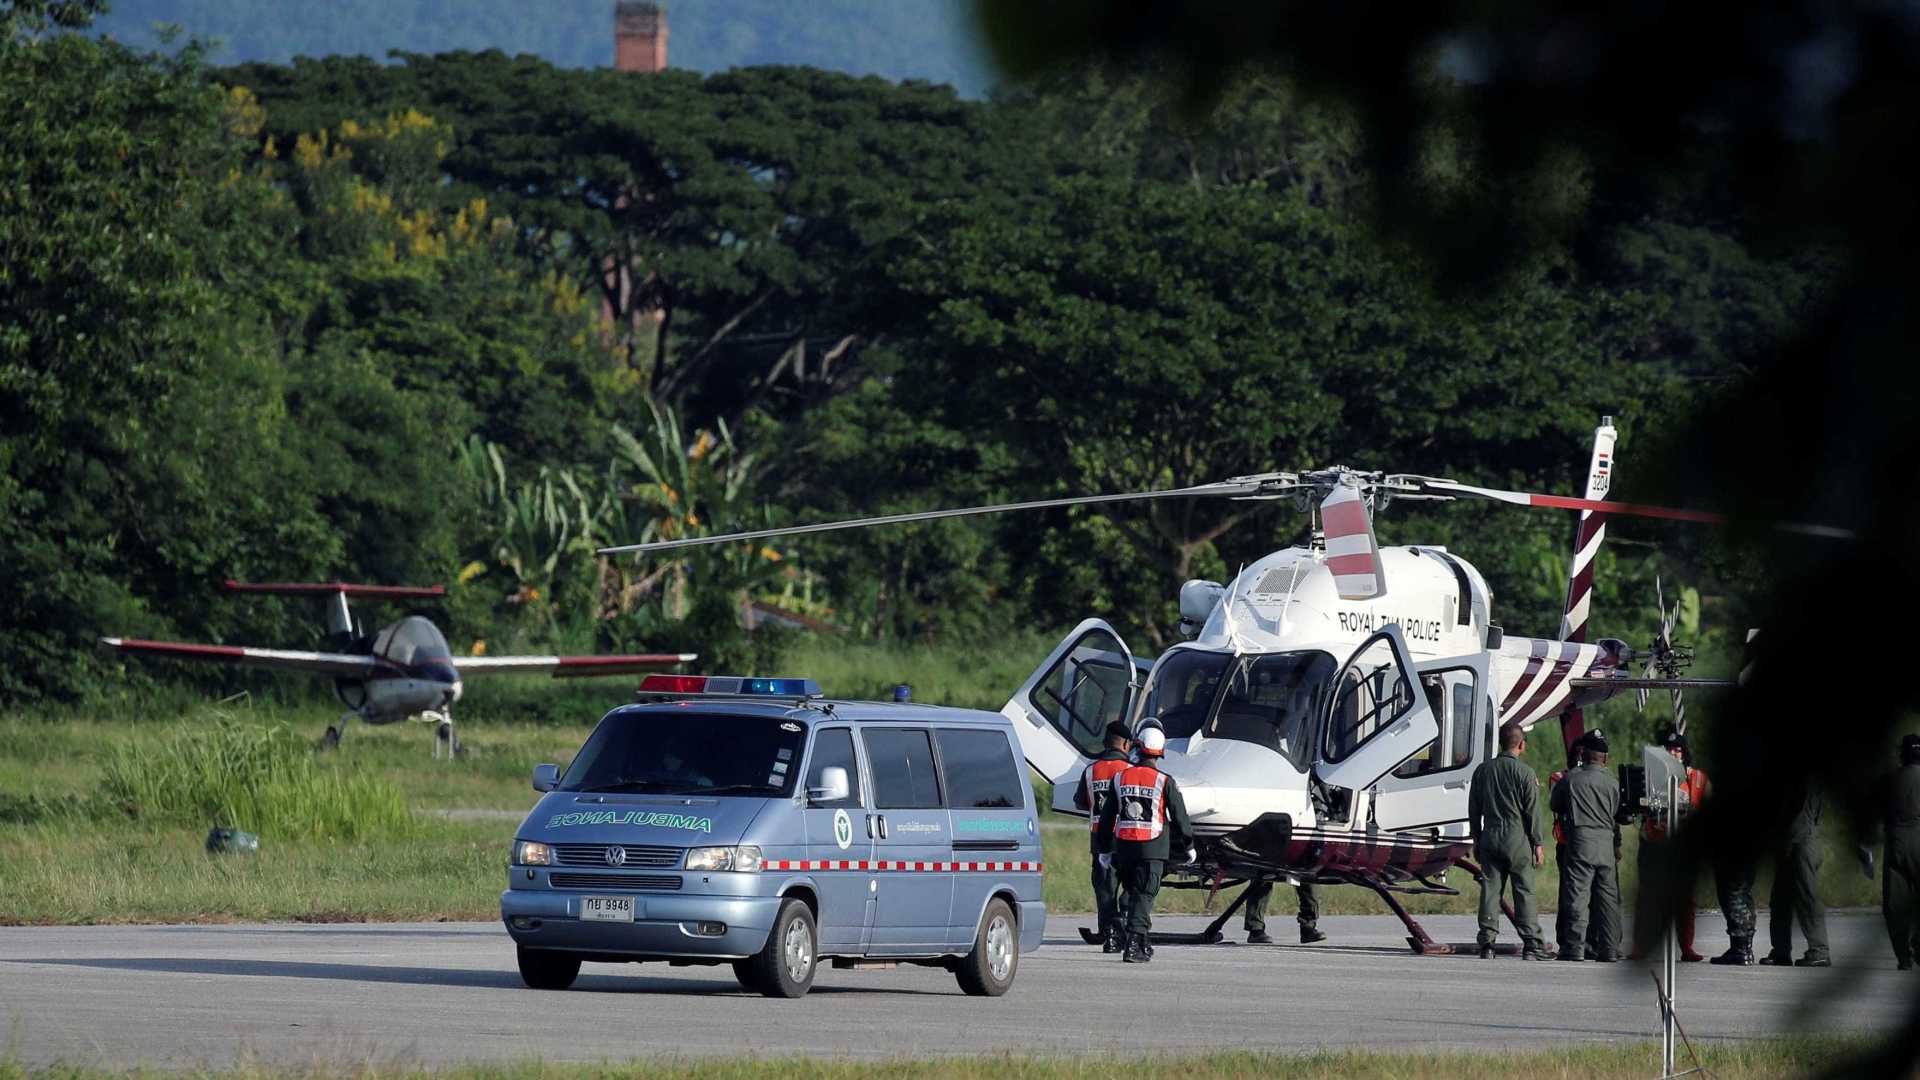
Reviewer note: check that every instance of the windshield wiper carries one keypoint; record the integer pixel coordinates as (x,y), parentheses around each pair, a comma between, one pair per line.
(724,789)
(624,785)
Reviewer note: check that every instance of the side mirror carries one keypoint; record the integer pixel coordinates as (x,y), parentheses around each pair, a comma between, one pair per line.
(546,777)
(1494,637)
(834,786)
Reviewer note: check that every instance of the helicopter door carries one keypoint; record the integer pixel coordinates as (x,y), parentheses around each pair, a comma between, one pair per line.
(1429,789)
(1061,713)
(1377,717)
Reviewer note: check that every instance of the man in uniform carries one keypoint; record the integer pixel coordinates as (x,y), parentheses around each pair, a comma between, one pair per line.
(1503,814)
(1309,917)
(1734,883)
(1093,794)
(1148,820)
(1653,833)
(1796,877)
(1588,803)
(1900,814)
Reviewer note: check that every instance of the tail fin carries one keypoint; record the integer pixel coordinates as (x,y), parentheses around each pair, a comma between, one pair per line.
(340,628)
(1588,536)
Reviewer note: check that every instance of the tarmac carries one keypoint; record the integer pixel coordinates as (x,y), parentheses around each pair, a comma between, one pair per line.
(440,993)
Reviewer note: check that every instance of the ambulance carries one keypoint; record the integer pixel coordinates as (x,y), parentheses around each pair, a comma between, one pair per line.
(750,822)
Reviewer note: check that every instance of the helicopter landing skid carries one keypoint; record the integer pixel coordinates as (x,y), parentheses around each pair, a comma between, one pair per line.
(1212,935)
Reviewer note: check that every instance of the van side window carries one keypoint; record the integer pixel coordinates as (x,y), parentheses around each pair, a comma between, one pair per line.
(978,769)
(832,748)
(902,760)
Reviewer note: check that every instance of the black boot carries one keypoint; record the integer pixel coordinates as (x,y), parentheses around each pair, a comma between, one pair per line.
(1116,940)
(1310,933)
(1739,951)
(1137,953)
(1486,950)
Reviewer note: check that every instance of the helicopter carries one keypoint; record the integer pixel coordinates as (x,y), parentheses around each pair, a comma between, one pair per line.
(404,670)
(1332,701)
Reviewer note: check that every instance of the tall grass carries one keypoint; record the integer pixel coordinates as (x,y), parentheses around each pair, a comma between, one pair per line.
(262,778)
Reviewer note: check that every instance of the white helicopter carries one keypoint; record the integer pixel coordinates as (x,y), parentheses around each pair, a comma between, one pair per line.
(1329,709)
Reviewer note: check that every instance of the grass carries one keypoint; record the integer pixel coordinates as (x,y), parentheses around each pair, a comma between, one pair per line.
(104,808)
(1754,1060)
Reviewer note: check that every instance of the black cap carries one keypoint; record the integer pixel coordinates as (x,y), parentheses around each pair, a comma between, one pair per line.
(1596,742)
(1672,739)
(1119,730)
(1910,744)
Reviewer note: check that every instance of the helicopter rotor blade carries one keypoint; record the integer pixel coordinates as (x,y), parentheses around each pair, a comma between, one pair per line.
(1353,554)
(1228,488)
(1567,502)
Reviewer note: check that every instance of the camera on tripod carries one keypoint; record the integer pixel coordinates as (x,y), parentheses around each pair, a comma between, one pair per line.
(1643,787)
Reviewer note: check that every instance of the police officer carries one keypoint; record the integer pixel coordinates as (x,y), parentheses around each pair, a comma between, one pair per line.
(1504,816)
(1796,878)
(1093,794)
(1588,804)
(1148,820)
(1653,833)
(1309,917)
(1576,754)
(1900,887)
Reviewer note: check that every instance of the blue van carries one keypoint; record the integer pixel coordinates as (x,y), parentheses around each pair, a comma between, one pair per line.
(748,822)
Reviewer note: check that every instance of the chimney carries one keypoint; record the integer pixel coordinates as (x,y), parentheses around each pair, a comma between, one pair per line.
(639,36)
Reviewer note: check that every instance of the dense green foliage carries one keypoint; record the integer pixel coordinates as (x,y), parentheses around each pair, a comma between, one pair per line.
(467,317)
(930,40)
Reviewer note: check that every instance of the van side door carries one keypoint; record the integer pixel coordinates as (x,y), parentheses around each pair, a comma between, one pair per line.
(994,830)
(912,843)
(839,831)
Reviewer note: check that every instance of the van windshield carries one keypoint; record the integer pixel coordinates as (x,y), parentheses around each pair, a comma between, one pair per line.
(681,752)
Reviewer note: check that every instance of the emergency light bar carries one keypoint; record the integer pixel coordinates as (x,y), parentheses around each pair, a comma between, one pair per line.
(728,686)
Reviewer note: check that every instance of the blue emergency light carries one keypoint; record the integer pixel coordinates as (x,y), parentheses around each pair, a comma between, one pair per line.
(728,686)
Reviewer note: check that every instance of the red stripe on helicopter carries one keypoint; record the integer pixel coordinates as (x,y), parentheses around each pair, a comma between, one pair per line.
(1519,684)
(1352,564)
(1564,502)
(1347,517)
(905,866)
(1551,681)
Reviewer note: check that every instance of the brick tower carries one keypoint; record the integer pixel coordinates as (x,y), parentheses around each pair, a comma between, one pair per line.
(639,36)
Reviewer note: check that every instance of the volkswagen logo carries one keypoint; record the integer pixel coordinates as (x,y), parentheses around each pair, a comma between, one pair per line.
(616,856)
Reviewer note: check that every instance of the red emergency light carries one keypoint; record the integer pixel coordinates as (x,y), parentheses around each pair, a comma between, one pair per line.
(728,686)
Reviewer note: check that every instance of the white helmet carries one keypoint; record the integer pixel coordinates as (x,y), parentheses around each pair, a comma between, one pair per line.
(1151,740)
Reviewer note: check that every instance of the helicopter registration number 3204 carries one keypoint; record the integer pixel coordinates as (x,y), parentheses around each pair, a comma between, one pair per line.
(606,908)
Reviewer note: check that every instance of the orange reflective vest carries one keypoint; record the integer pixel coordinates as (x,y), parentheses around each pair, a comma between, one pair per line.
(1098,780)
(1692,794)
(1142,817)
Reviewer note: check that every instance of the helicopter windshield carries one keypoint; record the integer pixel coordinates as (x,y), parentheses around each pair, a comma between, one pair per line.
(1271,700)
(1183,689)
(411,641)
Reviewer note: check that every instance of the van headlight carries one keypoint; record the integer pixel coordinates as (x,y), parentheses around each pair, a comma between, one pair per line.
(744,859)
(532,853)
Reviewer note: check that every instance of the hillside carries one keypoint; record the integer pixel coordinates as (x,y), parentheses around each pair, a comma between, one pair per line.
(899,39)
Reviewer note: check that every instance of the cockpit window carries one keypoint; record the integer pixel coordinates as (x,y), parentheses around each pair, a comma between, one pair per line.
(412,640)
(1183,689)
(1272,700)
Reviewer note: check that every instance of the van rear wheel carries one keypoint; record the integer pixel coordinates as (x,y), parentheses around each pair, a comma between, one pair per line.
(544,969)
(988,970)
(784,967)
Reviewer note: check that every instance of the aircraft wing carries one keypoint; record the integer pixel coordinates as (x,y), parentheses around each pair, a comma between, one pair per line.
(313,663)
(571,667)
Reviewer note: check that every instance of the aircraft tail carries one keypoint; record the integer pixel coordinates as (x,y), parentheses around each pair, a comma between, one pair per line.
(340,627)
(1588,536)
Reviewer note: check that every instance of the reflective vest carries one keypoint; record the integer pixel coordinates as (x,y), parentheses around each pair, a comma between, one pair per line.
(1692,794)
(1143,804)
(1099,780)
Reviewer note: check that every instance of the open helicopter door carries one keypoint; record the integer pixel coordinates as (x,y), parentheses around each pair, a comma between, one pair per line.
(1060,714)
(1429,789)
(1377,717)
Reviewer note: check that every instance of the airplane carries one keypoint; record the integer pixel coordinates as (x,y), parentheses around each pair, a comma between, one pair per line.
(403,671)
(1326,715)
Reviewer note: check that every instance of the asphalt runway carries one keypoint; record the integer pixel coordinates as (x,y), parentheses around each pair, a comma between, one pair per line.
(449,992)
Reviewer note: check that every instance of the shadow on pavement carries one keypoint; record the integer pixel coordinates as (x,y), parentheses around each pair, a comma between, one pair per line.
(591,982)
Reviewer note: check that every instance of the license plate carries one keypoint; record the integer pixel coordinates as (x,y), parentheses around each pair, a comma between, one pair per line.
(606,908)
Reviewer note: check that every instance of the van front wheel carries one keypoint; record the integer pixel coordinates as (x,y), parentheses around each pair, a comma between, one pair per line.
(544,969)
(988,970)
(784,967)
